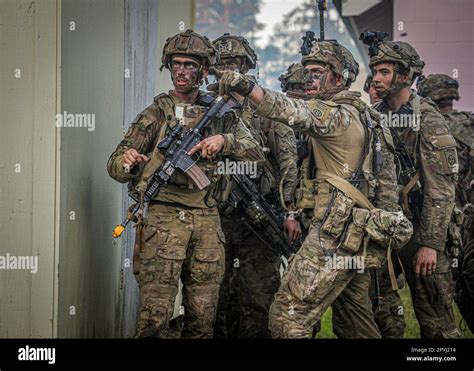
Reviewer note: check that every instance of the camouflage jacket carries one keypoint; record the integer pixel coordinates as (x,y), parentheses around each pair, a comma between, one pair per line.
(152,125)
(337,137)
(433,152)
(461,125)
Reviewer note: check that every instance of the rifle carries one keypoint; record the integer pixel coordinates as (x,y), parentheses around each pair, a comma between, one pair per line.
(262,216)
(176,145)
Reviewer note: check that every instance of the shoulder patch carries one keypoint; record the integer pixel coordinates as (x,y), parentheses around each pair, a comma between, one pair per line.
(321,110)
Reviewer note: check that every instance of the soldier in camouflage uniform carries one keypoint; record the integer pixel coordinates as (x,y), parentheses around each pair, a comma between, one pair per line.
(181,236)
(386,302)
(443,90)
(292,82)
(351,188)
(252,270)
(427,152)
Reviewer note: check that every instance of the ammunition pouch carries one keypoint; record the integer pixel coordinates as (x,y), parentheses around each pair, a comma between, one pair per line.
(354,236)
(305,194)
(337,216)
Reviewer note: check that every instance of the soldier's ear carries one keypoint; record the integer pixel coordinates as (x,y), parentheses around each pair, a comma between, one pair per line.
(338,80)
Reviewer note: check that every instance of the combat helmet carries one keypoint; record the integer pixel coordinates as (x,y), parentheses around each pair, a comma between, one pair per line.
(438,87)
(189,43)
(230,46)
(336,56)
(401,53)
(293,75)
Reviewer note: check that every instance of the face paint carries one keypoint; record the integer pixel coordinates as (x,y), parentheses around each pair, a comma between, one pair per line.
(230,64)
(313,79)
(185,74)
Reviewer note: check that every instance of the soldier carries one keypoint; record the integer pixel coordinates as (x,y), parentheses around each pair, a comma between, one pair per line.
(252,268)
(443,89)
(370,89)
(427,167)
(348,147)
(181,236)
(292,82)
(386,302)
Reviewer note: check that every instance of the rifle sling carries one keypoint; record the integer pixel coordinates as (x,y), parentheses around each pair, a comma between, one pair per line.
(406,190)
(345,187)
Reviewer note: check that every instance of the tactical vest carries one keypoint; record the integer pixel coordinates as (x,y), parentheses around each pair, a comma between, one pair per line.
(312,163)
(180,188)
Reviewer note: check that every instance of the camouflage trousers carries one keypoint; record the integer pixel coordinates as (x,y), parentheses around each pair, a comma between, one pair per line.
(310,285)
(184,243)
(251,279)
(432,296)
(389,316)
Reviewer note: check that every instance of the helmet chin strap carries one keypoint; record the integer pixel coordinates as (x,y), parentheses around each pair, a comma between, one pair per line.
(395,86)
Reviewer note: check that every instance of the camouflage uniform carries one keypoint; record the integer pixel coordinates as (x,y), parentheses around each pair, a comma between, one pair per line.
(181,236)
(253,270)
(433,153)
(310,285)
(443,89)
(386,302)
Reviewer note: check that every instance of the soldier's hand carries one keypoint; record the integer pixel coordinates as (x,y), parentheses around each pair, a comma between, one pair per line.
(425,261)
(230,81)
(209,147)
(292,228)
(131,158)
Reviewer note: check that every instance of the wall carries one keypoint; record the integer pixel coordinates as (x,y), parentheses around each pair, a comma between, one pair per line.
(141,59)
(442,31)
(58,202)
(28,98)
(92,82)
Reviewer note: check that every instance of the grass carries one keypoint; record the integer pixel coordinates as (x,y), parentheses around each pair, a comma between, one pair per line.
(412,330)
